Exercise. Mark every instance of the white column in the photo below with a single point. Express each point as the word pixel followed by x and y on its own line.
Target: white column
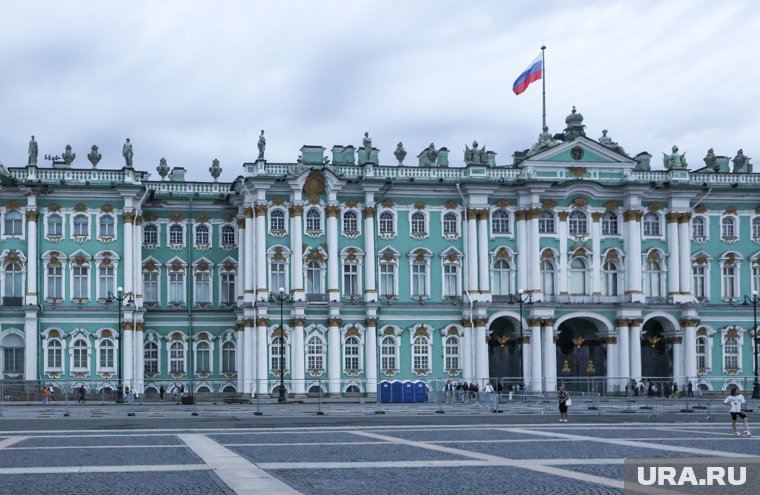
pixel 678 377
pixel 612 363
pixel 249 355
pixel 239 357
pixel 522 250
pixel 139 358
pixel 370 288
pixel 536 382
pixel 684 240
pixel 632 221
pixel 690 350
pixel 333 291
pixel 32 258
pixel 298 375
pixel 262 363
pixel 623 352
pixel 129 217
pixel 550 356
pixel 596 258
pixel 527 355
pixel 472 252
pixel 674 258
pixel 534 255
pixel 635 349
pixel 481 351
pixel 249 294
pixel 370 354
pixel 31 345
pixel 137 270
pixel 296 248
pixel 562 261
pixel 243 265
pixel 467 373
pixel 260 253
pixel 127 333
pixel 483 277
pixel 333 356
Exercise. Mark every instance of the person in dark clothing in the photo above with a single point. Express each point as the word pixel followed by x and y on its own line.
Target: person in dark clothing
pixel 690 390
pixel 82 393
pixel 161 392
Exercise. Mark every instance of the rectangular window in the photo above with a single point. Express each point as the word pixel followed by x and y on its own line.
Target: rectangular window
pixel 13 360
pixel 106 355
pixel 350 279
pixel 176 287
pixel 452 353
pixel 150 287
pixel 177 359
pixel 106 281
pixel 55 354
pixel 277 275
pixel 81 226
pixel 450 280
pixel 228 288
pixel 729 282
pixel 203 287
pixel 698 272
pixel 387 279
pixel 81 282
pixel 419 280
pixel 151 358
pixel 203 360
pixel 351 357
pixel 228 358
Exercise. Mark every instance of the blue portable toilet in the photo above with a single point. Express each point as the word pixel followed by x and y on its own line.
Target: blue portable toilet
pixel 408 391
pixel 384 391
pixel 420 391
pixel 397 391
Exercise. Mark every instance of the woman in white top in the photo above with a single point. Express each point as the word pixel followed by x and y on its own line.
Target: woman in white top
pixel 736 400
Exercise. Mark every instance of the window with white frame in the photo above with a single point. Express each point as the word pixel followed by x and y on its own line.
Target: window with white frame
pixel 421 353
pixel 548 276
pixel 13 358
pixel 227 235
pixel 81 282
pixel 279 346
pixel 177 357
pixel 756 275
pixel 500 222
pixel 150 358
pixel 702 353
pixel 546 222
pixel 419 278
pixel 107 226
pixel 277 274
pixel 14 280
pixel 610 273
pixel 81 225
pixel 315 354
pixel 388 353
pixel 451 274
pixel 731 353
pixel 228 293
pixel 653 279
pixel 651 224
pixel 79 355
pixel 150 234
pixel 577 223
pixel 276 221
pixel 203 287
pixel 176 287
pixel 728 228
pixel 450 224
pixel 314 283
pixel 313 220
pixel 503 278
pixel 451 353
pixel 202 235
pixel 55 281
pixel 387 278
pixel 350 222
pixel 351 353
pixel 55 225
pixel 176 234
pixel 54 354
pixel 351 279
pixel 698 227
pixel 228 357
pixel 13 223
pixel 756 228
pixel 150 287
pixel 203 357
pixel 730 281
pixel 417 224
pixel 386 223
pixel 106 353
pixel 610 224
pixel 578 276
pixel 106 280
pixel 699 280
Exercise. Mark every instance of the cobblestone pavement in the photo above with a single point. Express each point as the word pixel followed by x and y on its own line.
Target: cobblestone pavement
pixel 429 459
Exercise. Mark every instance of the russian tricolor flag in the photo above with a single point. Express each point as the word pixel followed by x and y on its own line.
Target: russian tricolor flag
pixel 533 73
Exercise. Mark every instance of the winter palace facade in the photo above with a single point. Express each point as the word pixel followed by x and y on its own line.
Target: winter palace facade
pixel 394 271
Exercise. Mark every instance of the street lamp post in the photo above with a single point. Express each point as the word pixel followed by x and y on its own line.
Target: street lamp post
pixel 281 297
pixel 755 340
pixel 120 297
pixel 521 298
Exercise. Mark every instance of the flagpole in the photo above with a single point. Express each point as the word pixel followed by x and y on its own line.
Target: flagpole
pixel 543 84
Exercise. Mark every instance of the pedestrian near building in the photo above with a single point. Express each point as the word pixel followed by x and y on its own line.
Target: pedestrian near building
pixel 690 389
pixel 82 393
pixel 491 398
pixel 448 390
pixel 564 401
pixel 45 396
pixel 161 392
pixel 735 402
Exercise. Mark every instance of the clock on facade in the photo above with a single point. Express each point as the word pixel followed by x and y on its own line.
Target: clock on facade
pixel 576 153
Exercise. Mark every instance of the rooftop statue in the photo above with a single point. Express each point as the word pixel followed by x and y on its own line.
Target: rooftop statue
pixel 674 161
pixel 711 162
pixel 32 152
pixel 431 154
pixel 741 163
pixel 545 140
pixel 400 153
pixel 575 127
pixel 475 156
pixel 367 145
pixel 262 145
pixel 215 170
pixel 163 168
pixel 94 156
pixel 68 156
pixel 126 152
pixel 609 143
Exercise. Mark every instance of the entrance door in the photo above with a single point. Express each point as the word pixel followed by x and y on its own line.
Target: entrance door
pixel 504 353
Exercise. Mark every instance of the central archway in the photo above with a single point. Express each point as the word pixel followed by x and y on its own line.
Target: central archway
pixel 581 354
pixel 505 352
pixel 656 350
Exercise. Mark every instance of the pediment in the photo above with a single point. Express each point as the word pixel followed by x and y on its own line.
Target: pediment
pixel 581 152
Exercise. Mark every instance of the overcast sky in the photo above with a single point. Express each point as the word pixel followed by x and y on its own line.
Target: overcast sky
pixel 192 81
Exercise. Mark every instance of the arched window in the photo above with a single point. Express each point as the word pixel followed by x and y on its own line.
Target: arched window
pixel 55 354
pixel 202 357
pixel 313 220
pixel 107 354
pixel 653 278
pixel 176 234
pixel 450 224
pixel 350 222
pixel 177 358
pixel 277 220
pixel 388 358
pixel 731 353
pixel 728 228
pixel 418 223
pixel 451 350
pixel 55 225
pixel 698 227
pixel 314 278
pixel 81 226
pixel 546 222
pixel 756 228
pixel 315 354
pixel 13 223
pixel 702 353
pixel 578 277
pixel 228 357
pixel 548 275
pixel 201 235
pixel 228 236
pixel 610 279
pixel 610 224
pixel 577 223
pixel 503 278
pixel 14 280
pixel 385 224
pixel 150 358
pixel 279 345
pixel 107 226
pixel 150 234
pixel 79 354
pixel 421 354
pixel 500 221
pixel 651 224
pixel 351 353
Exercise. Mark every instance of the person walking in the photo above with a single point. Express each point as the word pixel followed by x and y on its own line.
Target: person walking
pixel 448 390
pixel 736 401
pixel 161 392
pixel 564 401
pixel 82 392
pixel 45 396
pixel 690 390
pixel 488 389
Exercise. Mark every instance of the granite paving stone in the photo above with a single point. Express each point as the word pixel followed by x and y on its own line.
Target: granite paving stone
pixel 97 457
